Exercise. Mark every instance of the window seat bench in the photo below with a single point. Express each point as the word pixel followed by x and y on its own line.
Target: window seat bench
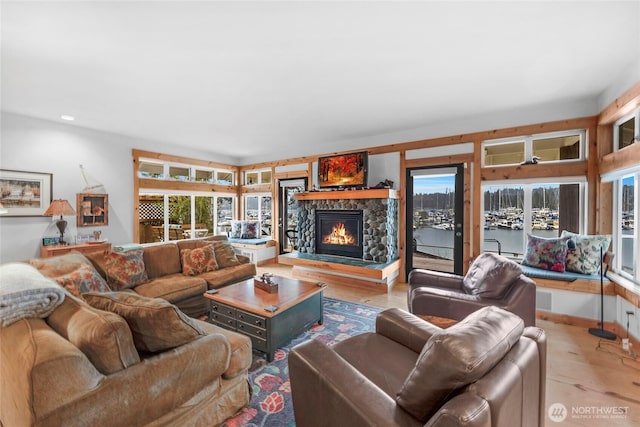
pixel 259 251
pixel 570 281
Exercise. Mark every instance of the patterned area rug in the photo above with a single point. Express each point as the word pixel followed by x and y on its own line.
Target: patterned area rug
pixel 271 403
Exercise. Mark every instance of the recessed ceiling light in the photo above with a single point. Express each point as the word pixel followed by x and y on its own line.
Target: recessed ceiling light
pixel 67 117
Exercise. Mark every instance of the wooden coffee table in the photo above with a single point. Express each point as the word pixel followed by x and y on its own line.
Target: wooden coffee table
pixel 271 320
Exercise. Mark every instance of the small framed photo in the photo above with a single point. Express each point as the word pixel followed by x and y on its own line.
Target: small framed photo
pixel 48 241
pixel 25 193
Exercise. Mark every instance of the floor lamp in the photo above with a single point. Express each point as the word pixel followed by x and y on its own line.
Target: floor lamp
pixel 600 332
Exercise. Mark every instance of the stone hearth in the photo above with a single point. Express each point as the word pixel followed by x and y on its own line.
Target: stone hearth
pixel 380 220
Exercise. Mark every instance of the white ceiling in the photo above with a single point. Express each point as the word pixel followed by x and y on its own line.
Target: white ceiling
pixel 272 80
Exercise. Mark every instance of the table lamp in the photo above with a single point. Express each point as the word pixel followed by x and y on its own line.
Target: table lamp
pixel 60 207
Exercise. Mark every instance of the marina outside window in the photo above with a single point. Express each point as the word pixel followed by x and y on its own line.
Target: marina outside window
pixel 541 209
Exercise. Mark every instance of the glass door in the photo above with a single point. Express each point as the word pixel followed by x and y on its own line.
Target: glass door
pixel 435 218
pixel 288 218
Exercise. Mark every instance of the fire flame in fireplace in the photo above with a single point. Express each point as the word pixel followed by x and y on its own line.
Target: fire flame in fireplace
pixel 339 236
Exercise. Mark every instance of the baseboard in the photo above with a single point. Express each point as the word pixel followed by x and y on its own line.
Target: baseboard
pixel 583 322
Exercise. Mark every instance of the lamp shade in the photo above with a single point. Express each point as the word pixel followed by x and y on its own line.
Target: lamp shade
pixel 59 207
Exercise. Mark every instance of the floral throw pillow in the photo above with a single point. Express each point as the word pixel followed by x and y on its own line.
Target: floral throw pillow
pixel 547 254
pixel 236 229
pixel 125 269
pixel 72 271
pixel 250 230
pixel 583 255
pixel 198 261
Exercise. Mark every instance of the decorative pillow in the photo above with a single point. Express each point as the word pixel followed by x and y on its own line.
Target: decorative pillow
pixel 199 260
pixel 457 356
pixel 236 229
pixel 250 230
pixel 547 254
pixel 225 255
pixel 583 255
pixel 73 271
pixel 490 275
pixel 105 338
pixel 156 324
pixel 125 269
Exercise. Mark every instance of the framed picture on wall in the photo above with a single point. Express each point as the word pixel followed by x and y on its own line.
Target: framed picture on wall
pixel 24 193
pixel 92 209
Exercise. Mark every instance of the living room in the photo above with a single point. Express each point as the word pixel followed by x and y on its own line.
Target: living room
pixel 109 152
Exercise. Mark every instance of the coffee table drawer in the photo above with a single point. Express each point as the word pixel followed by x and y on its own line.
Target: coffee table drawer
pixel 251 330
pixel 251 319
pixel 228 322
pixel 258 343
pixel 223 309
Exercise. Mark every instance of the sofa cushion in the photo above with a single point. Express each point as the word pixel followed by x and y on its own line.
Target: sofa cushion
pixel 490 276
pixel 229 275
pixel 197 261
pixel 457 356
pixel 173 287
pixel 583 254
pixel 156 324
pixel 125 269
pixel 104 337
pixel 73 271
pixel 225 255
pixel 162 260
pixel 241 350
pixel 548 254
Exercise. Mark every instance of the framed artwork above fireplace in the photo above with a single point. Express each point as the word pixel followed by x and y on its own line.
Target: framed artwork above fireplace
pixel 343 170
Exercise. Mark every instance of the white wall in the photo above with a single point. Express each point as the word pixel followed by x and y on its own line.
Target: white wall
pixel 34 145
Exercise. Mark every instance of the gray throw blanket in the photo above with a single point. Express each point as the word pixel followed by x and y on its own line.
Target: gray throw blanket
pixel 25 292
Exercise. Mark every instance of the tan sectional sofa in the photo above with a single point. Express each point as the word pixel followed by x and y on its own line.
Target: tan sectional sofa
pixel 83 366
pixel 164 269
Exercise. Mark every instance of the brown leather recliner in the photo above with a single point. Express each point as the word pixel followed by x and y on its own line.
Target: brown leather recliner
pixel 488 370
pixel 491 280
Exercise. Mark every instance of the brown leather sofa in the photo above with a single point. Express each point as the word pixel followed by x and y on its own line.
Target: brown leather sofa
pixel 491 280
pixel 83 366
pixel 488 370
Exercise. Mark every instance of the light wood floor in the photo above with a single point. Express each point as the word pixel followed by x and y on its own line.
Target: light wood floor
pixel 584 373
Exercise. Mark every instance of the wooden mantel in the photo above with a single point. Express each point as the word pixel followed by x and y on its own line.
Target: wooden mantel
pixel 375 193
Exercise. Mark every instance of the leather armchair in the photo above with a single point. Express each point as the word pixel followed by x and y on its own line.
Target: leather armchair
pixel 488 370
pixel 491 280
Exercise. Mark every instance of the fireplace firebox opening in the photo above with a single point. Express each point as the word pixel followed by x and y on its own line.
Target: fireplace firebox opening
pixel 339 233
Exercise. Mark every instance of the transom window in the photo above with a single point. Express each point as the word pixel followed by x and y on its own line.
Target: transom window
pixel 627 131
pixel 550 147
pixel 179 172
pixel 257 177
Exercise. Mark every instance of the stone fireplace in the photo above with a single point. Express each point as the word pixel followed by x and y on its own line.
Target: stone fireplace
pixel 378 227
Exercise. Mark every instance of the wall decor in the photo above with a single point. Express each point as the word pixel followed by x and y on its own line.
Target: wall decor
pixel 25 193
pixel 343 170
pixel 92 209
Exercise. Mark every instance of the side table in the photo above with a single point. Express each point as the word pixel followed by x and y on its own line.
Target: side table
pixel 55 250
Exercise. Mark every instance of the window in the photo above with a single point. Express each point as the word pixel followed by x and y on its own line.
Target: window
pixel 257 177
pixel 550 147
pixel 627 131
pixel 626 239
pixel 543 209
pixel 165 217
pixel 258 207
pixel 180 172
